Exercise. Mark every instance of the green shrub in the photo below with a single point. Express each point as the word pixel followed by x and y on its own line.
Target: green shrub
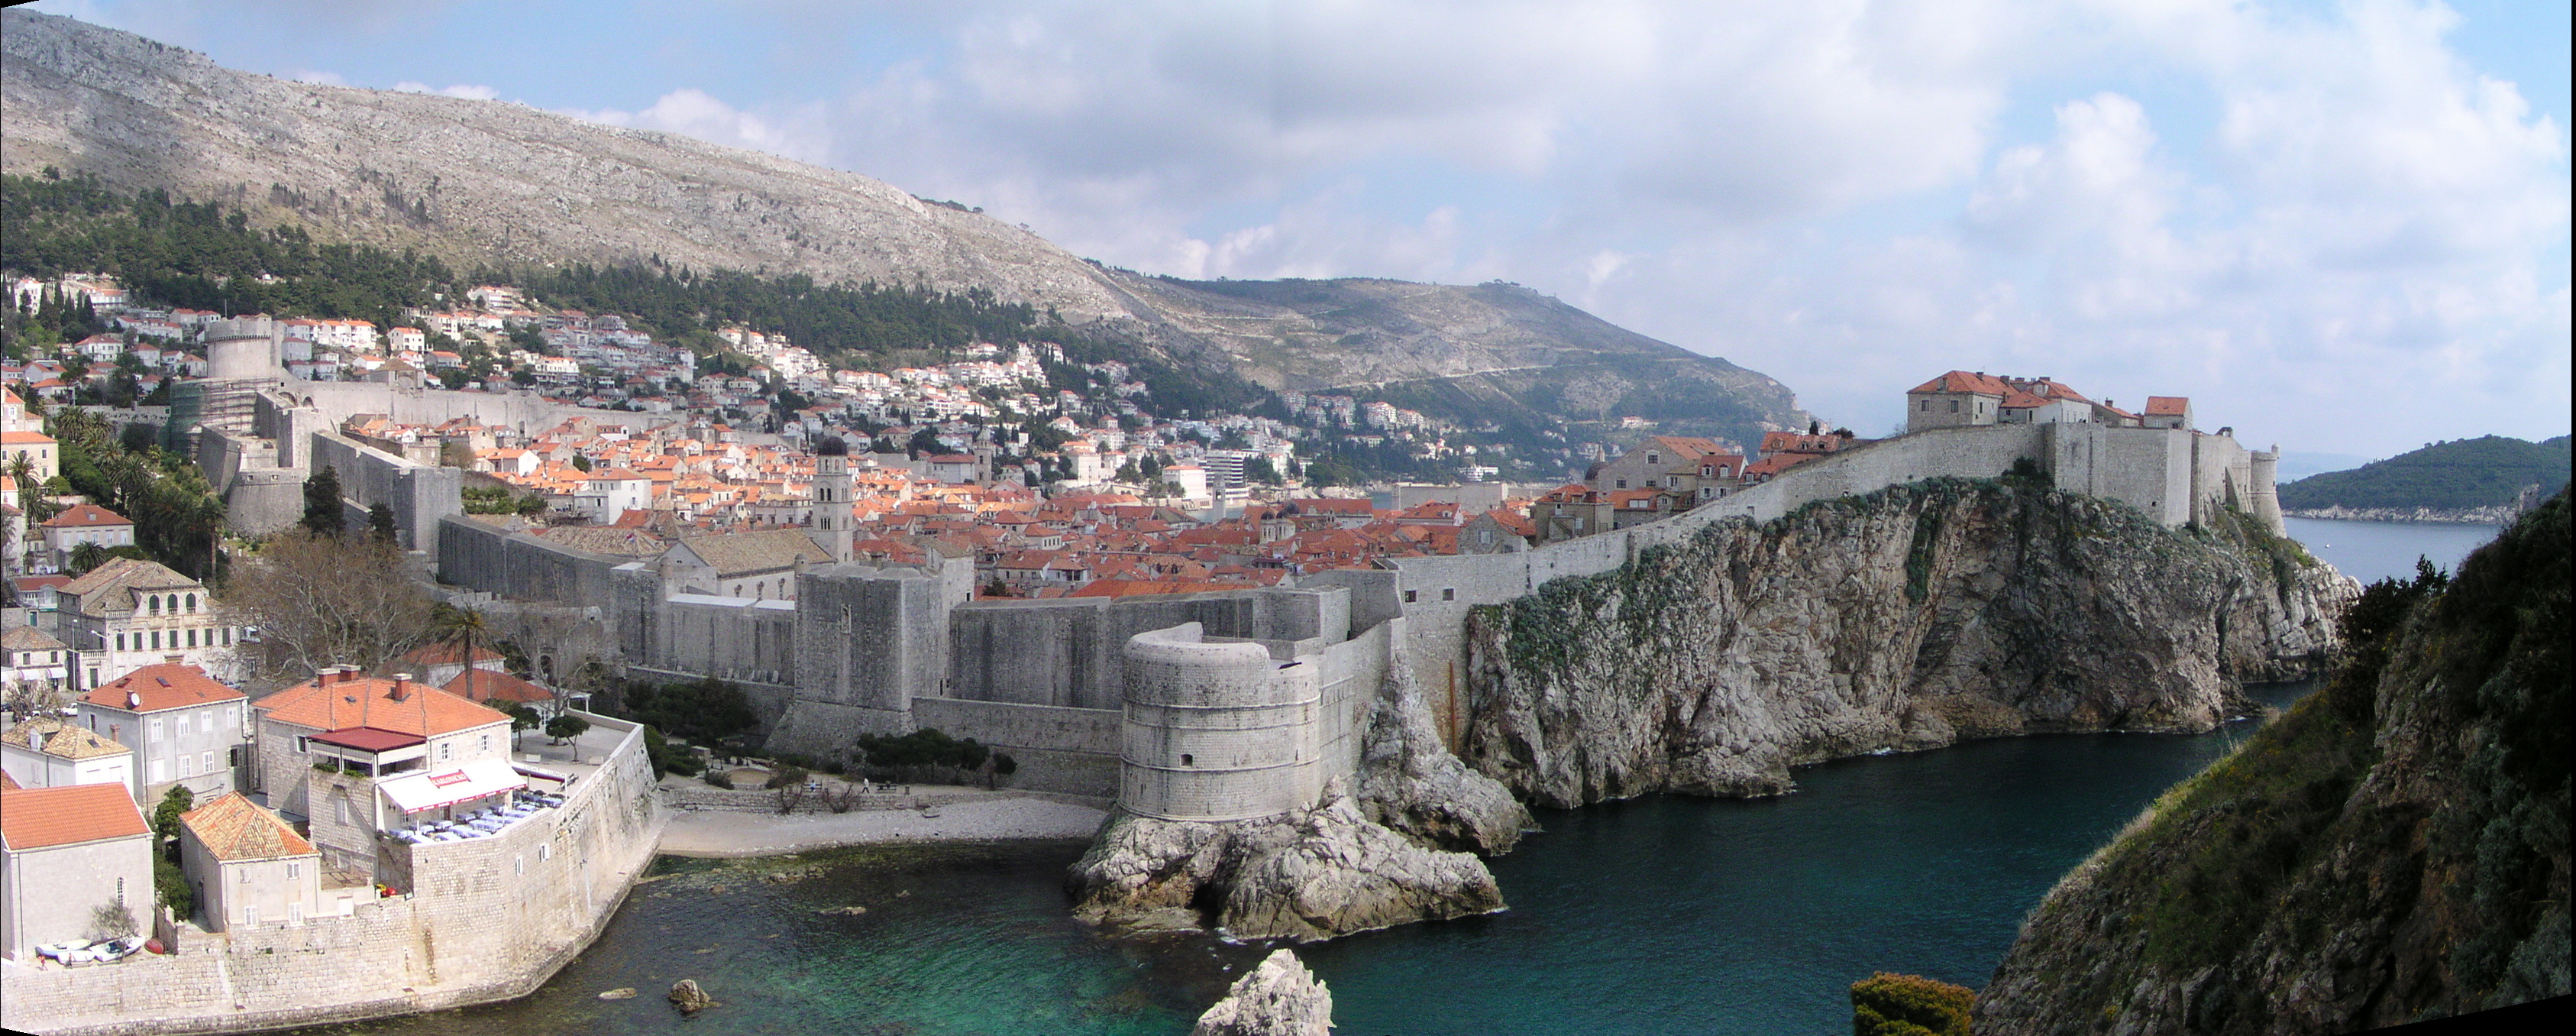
pixel 788 776
pixel 1909 1005
pixel 921 754
pixel 170 886
pixel 720 778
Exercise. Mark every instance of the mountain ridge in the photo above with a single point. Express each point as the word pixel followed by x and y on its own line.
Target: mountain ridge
pixel 497 183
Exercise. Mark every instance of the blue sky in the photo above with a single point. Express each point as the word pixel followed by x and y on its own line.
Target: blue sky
pixel 2341 227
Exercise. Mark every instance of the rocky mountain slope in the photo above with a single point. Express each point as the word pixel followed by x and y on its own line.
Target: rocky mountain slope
pixel 1905 619
pixel 480 182
pixel 2393 849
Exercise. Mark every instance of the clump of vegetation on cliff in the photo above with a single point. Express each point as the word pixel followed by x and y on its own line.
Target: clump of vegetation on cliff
pixel 1909 1005
pixel 2399 839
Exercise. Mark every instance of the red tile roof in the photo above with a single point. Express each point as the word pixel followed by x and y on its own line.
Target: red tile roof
pixel 235 828
pixel 356 701
pixel 34 818
pixel 2167 406
pixel 163 686
pixel 86 516
pixel 1965 381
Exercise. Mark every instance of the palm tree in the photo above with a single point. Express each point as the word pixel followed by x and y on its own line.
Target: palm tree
pixel 462 629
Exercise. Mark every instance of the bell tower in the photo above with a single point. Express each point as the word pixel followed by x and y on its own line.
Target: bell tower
pixel 832 517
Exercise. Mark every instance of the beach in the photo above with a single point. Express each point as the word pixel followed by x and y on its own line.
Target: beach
pixel 731 833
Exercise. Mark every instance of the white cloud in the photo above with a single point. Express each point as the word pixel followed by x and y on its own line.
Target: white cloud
pixel 692 112
pixel 2322 223
pixel 466 91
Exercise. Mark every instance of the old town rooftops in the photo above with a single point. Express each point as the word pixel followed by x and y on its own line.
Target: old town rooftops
pixel 60 739
pixel 38 818
pixel 340 699
pixel 234 828
pixel 167 685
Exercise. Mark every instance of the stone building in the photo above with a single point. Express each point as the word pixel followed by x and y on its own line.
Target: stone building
pixel 185 728
pixel 248 867
pixel 49 752
pixel 760 565
pixel 64 853
pixel 130 612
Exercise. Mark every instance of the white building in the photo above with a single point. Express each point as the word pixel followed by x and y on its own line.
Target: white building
pixel 50 752
pixel 64 853
pixel 184 727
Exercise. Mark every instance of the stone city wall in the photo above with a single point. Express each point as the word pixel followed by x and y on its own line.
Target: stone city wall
pixel 1066 651
pixel 519 566
pixel 1068 750
pixel 490 919
pixel 419 494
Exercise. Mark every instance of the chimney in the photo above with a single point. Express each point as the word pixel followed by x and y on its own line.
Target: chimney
pixel 402 686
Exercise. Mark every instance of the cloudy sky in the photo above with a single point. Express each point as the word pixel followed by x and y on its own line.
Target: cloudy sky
pixel 2338 227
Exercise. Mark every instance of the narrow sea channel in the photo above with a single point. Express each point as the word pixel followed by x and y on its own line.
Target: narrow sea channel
pixel 1659 916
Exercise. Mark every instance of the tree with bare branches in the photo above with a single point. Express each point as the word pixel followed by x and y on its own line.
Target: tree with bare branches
pixel 327 600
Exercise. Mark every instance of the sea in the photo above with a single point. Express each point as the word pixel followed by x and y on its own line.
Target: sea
pixel 1659 915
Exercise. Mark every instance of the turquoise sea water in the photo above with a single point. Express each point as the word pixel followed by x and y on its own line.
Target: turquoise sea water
pixel 2371 551
pixel 1659 915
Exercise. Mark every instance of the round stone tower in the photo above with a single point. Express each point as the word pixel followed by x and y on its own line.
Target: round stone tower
pixel 832 518
pixel 2266 495
pixel 1216 731
pixel 241 348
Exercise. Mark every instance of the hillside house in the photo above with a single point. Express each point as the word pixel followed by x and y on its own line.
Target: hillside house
pixel 83 523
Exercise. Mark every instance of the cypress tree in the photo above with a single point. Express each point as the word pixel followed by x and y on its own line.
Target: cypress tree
pixel 322 502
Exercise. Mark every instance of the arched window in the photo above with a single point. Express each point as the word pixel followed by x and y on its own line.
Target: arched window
pixel 152 604
pixel 192 602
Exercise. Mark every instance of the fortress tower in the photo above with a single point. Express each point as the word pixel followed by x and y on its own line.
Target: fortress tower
pixel 832 519
pixel 241 359
pixel 1217 731
pixel 2267 495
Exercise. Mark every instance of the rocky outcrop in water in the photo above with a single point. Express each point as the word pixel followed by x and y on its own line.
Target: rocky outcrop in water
pixel 2394 848
pixel 1395 852
pixel 1308 875
pixel 1410 783
pixel 1277 998
pixel 1906 619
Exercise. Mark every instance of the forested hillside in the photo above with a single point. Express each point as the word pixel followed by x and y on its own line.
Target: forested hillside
pixel 2462 473
pixel 2393 849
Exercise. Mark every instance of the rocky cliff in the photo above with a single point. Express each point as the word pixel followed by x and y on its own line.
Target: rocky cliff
pixel 483 182
pixel 2394 848
pixel 1279 997
pixel 1906 619
pixel 1389 855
